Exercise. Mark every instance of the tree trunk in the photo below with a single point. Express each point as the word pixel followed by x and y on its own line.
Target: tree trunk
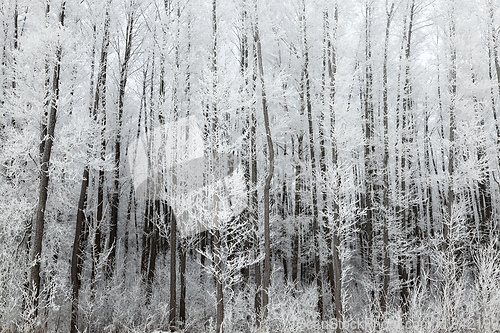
pixel 244 65
pixel 78 246
pixel 173 277
pixel 298 212
pixel 369 162
pixel 113 228
pixel 219 282
pixel 182 268
pixel 79 241
pixel 306 86
pixel 148 258
pixel 452 129
pixel 406 106
pixel 385 203
pixel 254 200
pixel 329 84
pixel 270 151
pixel 36 250
pixel 100 109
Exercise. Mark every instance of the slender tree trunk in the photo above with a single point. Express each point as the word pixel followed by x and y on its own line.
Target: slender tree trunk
pixel 369 162
pixel 78 246
pixel 322 159
pixel 100 114
pixel 36 250
pixel 214 122
pixel 329 83
pixel 270 150
pixel 406 108
pixel 452 129
pixel 46 103
pixel 385 203
pixel 494 41
pixel 155 206
pixel 306 86
pixel 219 282
pixel 493 64
pixel 113 228
pixel 182 268
pixel 80 240
pixel 298 211
pixel 244 66
pixel 254 200
pixel 173 276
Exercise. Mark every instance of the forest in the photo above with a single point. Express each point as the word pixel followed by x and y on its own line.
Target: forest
pixel 250 166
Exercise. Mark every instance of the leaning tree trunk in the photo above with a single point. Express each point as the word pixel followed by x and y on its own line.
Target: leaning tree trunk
pixel 36 249
pixel 80 239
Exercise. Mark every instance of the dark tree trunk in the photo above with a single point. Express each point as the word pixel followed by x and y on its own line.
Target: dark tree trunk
pixel 254 200
pixel 113 228
pixel 36 250
pixel 270 151
pixel 100 109
pixel 78 246
pixel 297 212
pixel 452 129
pixel 80 240
pixel 173 263
pixel 369 162
pixel 306 86
pixel 182 268
pixel 385 203
pixel 218 282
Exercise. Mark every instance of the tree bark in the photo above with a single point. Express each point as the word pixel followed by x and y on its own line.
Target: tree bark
pixel 385 203
pixel 254 200
pixel 36 250
pixel 329 91
pixel 369 184
pixel 182 268
pixel 78 246
pixel 406 106
pixel 173 276
pixel 297 211
pixel 306 86
pixel 452 129
pixel 80 240
pixel 113 228
pixel 100 110
pixel 270 172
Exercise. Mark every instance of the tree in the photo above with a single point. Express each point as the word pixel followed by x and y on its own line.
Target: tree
pixel 124 70
pixel 328 74
pixel 366 200
pixel 270 172
pixel 38 228
pixel 385 203
pixel 404 108
pixel 306 90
